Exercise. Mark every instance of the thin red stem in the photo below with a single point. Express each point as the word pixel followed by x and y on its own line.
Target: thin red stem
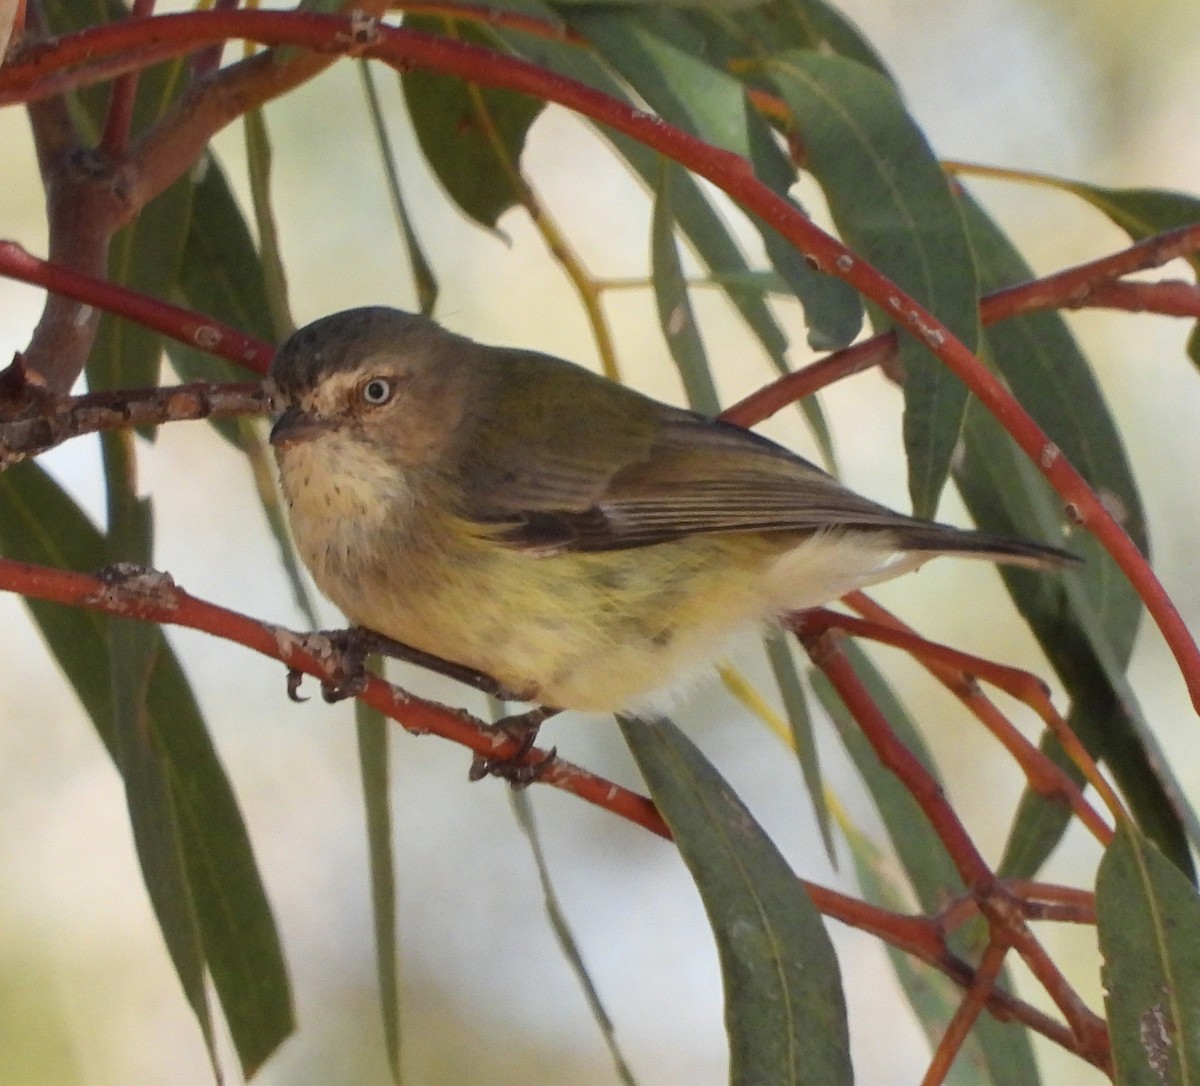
pixel 171 320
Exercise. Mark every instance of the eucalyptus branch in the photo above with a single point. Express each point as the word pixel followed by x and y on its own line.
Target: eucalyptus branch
pixel 192 329
pixel 45 423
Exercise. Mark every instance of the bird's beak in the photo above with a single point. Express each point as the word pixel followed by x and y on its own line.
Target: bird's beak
pixel 295 426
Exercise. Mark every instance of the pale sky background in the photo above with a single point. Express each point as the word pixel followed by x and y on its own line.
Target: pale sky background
pixel 1102 92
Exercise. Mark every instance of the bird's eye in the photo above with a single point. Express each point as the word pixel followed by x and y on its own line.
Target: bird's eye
pixel 377 391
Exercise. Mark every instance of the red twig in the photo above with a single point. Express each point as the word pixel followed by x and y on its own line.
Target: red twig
pixel 117 123
pixel 154 597
pixel 1013 681
pixel 171 320
pixel 820 642
pixel 1078 286
pixel 967 1013
pixel 960 678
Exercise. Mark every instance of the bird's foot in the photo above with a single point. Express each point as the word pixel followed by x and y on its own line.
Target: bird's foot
pixel 515 768
pixel 346 652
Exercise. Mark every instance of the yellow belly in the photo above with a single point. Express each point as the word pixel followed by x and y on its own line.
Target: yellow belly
pixel 589 631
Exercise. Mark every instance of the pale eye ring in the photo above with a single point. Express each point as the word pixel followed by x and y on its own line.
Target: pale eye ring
pixel 377 391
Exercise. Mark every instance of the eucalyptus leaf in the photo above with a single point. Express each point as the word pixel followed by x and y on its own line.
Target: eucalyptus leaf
pixel 1085 620
pixel 372 730
pixel 1148 914
pixel 425 284
pixel 675 313
pixel 667 61
pixel 893 206
pixel 784 1010
pixel 40 523
pixel 804 741
pixel 471 136
pixel 567 942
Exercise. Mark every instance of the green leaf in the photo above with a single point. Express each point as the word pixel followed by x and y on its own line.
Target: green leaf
pixel 152 813
pixel 675 314
pixel 222 274
pixel 146 257
pixel 40 523
pixel 425 282
pixel 241 941
pixel 523 810
pixel 894 207
pixel 833 311
pixel 1148 915
pixel 673 76
pixel 258 162
pixel 1078 643
pixel 373 729
pixel 472 136
pixel 733 38
pixel 784 1010
pixel 133 649
pixel 783 667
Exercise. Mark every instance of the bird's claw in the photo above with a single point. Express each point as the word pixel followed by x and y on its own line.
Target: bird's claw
pixel 514 768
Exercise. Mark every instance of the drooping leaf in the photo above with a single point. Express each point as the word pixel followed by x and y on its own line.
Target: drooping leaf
pixel 523 810
pixel 804 741
pixel 471 136
pixel 675 314
pixel 222 275
pixel 1148 914
pixel 132 651
pixel 145 256
pixel 893 206
pixel 40 523
pixel 736 39
pixel 425 284
pixel 694 213
pixel 784 1010
pixel 258 164
pixel 372 731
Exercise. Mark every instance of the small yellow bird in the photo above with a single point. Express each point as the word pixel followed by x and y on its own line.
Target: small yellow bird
pixel 583 544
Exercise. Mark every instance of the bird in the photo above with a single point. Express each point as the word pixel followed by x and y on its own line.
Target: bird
pixel 584 545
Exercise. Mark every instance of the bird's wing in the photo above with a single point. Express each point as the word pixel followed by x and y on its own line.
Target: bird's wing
pixel 631 478
pixel 588 469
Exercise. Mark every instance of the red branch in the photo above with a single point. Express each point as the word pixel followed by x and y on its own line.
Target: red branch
pixel 171 320
pixel 154 597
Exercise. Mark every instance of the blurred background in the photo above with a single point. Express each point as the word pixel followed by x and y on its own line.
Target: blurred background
pixel 1103 93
